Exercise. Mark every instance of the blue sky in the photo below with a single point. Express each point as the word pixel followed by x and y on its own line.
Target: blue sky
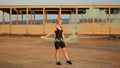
pixel 55 2
pixel 59 2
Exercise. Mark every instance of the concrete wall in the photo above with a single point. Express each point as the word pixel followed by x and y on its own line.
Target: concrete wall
pixel 101 28
pixel 48 27
pixel 4 29
pixel 66 28
pixel 18 29
pixel 35 29
pixel 27 29
pixel 82 28
pixel 85 28
pixel 115 28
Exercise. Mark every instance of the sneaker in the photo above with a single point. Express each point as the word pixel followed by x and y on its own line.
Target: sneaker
pixel 69 62
pixel 58 63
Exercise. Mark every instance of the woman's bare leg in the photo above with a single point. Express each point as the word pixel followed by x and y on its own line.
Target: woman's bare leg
pixel 57 55
pixel 65 53
pixel 66 56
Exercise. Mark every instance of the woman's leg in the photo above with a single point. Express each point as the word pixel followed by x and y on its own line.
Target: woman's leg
pixel 66 56
pixel 65 53
pixel 57 55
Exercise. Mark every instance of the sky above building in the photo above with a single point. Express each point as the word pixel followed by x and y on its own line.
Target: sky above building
pixel 59 2
pixel 55 2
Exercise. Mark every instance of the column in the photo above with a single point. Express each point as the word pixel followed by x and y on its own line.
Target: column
pixel 10 20
pixel 45 15
pixel 34 18
pixel 77 19
pixel 26 15
pixel 109 11
pixel 26 20
pixel 59 13
pixel 44 18
pixel 71 16
pixel 22 18
pixel 31 17
pixel 3 18
pixel 17 17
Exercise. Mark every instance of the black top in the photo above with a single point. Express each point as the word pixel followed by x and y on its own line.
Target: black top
pixel 58 33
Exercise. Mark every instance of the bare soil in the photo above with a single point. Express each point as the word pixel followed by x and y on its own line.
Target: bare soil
pixel 35 52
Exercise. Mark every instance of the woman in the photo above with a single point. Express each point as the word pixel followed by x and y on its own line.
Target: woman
pixel 59 42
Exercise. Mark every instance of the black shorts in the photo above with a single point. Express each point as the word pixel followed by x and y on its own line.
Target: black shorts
pixel 59 44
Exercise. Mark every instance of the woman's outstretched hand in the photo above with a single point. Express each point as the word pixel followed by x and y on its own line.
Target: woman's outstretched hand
pixel 43 37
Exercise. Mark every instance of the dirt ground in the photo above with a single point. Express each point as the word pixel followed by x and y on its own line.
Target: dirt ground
pixel 34 52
